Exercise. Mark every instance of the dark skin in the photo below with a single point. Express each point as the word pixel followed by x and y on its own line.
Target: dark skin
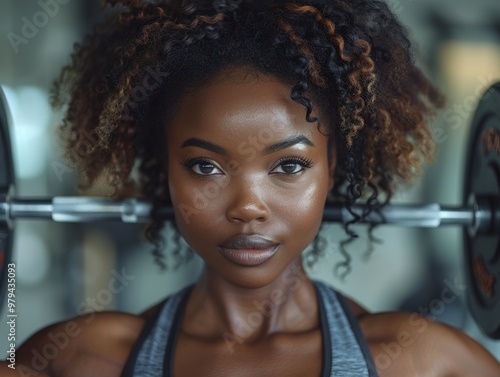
pixel 255 196
pixel 272 193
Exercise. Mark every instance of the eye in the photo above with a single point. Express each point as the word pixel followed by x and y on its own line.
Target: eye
pixel 292 165
pixel 202 166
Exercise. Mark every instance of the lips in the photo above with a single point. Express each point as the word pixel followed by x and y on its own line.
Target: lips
pixel 248 250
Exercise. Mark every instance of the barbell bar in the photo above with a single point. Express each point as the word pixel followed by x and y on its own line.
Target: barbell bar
pixel 479 214
pixel 67 209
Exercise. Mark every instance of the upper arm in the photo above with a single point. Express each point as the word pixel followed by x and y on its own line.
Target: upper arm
pixel 101 339
pixel 40 354
pixel 464 356
pixel 444 351
pixel 408 344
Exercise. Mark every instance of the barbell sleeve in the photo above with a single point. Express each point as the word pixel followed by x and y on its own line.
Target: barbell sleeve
pixel 81 209
pixel 89 209
pixel 408 215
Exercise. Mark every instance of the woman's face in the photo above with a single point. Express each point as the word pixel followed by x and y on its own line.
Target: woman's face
pixel 243 161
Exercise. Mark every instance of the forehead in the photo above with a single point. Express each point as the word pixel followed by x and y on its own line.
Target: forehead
pixel 239 101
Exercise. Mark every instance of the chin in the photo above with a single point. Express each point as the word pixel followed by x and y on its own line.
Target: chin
pixel 254 277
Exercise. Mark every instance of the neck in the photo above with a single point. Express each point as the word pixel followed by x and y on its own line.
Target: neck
pixel 217 308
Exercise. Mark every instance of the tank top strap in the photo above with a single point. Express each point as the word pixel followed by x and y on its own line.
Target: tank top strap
pixel 345 352
pixel 350 356
pixel 147 358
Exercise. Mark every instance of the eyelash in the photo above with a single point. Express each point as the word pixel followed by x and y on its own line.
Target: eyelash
pixel 306 163
pixel 191 162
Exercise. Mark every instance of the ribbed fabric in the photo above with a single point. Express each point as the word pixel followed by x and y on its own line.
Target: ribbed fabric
pixel 349 352
pixel 345 352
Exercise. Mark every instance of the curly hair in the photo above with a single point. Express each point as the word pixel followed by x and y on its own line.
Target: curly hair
pixel 351 58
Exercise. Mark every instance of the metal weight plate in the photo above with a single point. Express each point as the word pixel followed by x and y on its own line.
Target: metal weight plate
pixel 482 190
pixel 7 181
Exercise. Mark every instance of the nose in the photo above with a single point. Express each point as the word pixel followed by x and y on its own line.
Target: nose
pixel 247 204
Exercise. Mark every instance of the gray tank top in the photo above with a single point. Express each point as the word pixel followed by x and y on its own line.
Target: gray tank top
pixel 345 352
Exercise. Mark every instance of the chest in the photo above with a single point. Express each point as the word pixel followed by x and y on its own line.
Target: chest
pixel 282 355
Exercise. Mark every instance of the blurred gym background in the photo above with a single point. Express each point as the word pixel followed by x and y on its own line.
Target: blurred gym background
pixel 63 270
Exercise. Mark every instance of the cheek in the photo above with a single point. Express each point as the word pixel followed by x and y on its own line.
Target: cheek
pixel 298 208
pixel 195 203
pixel 303 208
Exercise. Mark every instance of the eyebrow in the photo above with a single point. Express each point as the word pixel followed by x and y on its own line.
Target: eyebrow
pixel 291 141
pixel 195 142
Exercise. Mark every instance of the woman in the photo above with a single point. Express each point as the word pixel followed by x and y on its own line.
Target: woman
pixel 246 116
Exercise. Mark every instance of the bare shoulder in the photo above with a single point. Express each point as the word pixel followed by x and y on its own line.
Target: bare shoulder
pixel 78 347
pixel 409 344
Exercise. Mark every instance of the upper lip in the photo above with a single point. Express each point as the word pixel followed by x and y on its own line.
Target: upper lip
pixel 248 242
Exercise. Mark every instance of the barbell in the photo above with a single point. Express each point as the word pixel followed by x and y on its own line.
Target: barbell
pixel 479 214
